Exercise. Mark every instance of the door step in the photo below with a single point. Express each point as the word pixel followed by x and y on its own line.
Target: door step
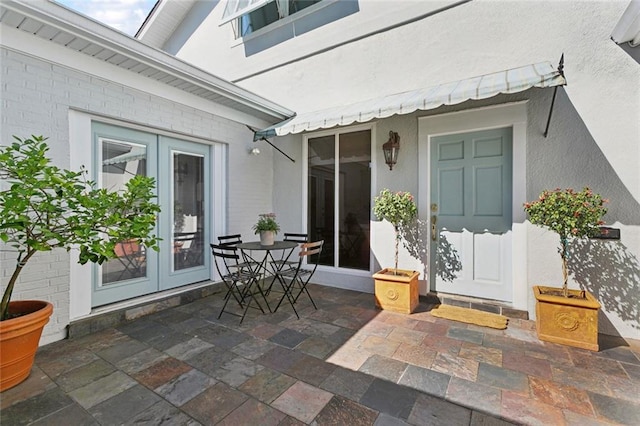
pixel 493 306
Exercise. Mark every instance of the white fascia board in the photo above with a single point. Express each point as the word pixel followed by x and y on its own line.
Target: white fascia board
pixel 628 28
pixel 31 45
pixel 109 38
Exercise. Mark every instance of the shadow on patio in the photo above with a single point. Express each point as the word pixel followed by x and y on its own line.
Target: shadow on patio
pixel 345 364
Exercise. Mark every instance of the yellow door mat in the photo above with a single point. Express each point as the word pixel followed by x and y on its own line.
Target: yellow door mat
pixel 470 316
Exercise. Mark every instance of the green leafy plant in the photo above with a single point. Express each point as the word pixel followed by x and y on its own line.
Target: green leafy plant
pixel 569 214
pixel 46 207
pixel 266 222
pixel 398 208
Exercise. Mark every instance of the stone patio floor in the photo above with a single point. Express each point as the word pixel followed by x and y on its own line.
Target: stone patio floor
pixel 346 363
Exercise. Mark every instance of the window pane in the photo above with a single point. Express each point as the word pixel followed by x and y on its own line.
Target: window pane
pixel 298 5
pixel 188 210
pixel 259 18
pixel 355 195
pixel 121 161
pixel 321 195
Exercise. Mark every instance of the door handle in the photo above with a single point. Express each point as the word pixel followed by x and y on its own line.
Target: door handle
pixel 434 232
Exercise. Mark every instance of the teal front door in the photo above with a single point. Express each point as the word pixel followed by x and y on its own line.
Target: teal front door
pixel 470 214
pixel 182 173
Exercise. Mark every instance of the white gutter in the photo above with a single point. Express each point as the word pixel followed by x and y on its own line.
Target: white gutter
pixel 109 38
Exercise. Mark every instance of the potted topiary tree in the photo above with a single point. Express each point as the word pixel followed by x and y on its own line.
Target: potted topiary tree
pixel 44 207
pixel 396 289
pixel 563 315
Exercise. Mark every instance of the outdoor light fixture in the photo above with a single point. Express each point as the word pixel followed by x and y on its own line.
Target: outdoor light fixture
pixel 254 151
pixel 391 148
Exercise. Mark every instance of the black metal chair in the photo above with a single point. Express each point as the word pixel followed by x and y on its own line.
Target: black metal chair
pixel 280 264
pixel 295 280
pixel 232 241
pixel 241 282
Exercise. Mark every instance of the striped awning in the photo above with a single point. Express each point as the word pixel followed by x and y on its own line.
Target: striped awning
pixel 481 87
pixel 136 153
pixel 236 8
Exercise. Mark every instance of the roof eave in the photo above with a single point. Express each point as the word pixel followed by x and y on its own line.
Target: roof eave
pixel 95 32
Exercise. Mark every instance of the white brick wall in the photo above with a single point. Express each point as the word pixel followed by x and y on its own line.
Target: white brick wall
pixel 36 97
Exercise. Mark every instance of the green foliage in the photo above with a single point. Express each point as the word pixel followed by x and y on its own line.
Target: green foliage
pixel 398 208
pixel 569 214
pixel 46 207
pixel 266 222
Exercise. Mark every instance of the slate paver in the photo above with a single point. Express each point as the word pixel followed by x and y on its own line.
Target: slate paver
pixel 224 398
pixel 267 385
pixel 125 405
pixel 302 401
pixel 429 410
pixel 148 372
pixel 185 387
pixel 253 412
pixel 347 383
pixel 84 375
pixel 29 410
pixel 615 409
pixel 102 389
pixel 390 398
pixel 425 380
pixel 342 411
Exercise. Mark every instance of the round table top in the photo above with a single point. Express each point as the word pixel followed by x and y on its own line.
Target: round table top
pixel 277 245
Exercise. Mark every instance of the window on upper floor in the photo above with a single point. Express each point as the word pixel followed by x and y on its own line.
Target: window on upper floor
pixel 248 16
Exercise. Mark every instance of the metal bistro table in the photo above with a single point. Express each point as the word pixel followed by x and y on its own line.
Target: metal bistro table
pixel 262 267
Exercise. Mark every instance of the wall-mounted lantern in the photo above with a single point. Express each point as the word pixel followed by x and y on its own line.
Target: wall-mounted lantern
pixel 391 148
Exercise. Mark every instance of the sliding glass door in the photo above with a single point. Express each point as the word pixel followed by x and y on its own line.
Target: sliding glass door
pixel 339 194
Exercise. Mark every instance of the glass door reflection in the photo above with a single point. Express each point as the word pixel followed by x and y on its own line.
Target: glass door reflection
pixel 188 210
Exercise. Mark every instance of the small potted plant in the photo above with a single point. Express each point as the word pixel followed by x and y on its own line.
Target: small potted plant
pixel 267 227
pixel 562 315
pixel 396 289
pixel 43 208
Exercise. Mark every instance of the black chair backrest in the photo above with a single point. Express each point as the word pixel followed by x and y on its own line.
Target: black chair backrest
pixel 298 238
pixel 224 255
pixel 230 240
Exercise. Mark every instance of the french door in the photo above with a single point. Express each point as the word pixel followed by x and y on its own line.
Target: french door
pixel 339 194
pixel 182 171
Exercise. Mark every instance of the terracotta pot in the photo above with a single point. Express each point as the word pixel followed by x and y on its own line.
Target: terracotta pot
pixel 571 321
pixel 19 338
pixel 267 238
pixel 396 292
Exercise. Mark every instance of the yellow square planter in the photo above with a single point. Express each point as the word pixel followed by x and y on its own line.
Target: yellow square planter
pixel 396 292
pixel 571 321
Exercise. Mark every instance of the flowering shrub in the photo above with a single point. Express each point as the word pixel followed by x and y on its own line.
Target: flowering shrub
pixel 266 222
pixel 398 208
pixel 569 214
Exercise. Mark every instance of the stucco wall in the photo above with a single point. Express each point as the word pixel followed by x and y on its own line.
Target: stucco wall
pixel 470 39
pixel 595 132
pixel 37 97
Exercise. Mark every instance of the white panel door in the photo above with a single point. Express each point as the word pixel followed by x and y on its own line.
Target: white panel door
pixel 471 214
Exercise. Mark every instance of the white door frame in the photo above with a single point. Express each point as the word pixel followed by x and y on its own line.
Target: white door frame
pixel 505 115
pixel 82 155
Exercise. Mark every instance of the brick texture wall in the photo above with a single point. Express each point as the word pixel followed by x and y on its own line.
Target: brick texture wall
pixel 36 97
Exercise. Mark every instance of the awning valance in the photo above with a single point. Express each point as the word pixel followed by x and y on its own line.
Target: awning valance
pixel 136 153
pixel 236 8
pixel 509 81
